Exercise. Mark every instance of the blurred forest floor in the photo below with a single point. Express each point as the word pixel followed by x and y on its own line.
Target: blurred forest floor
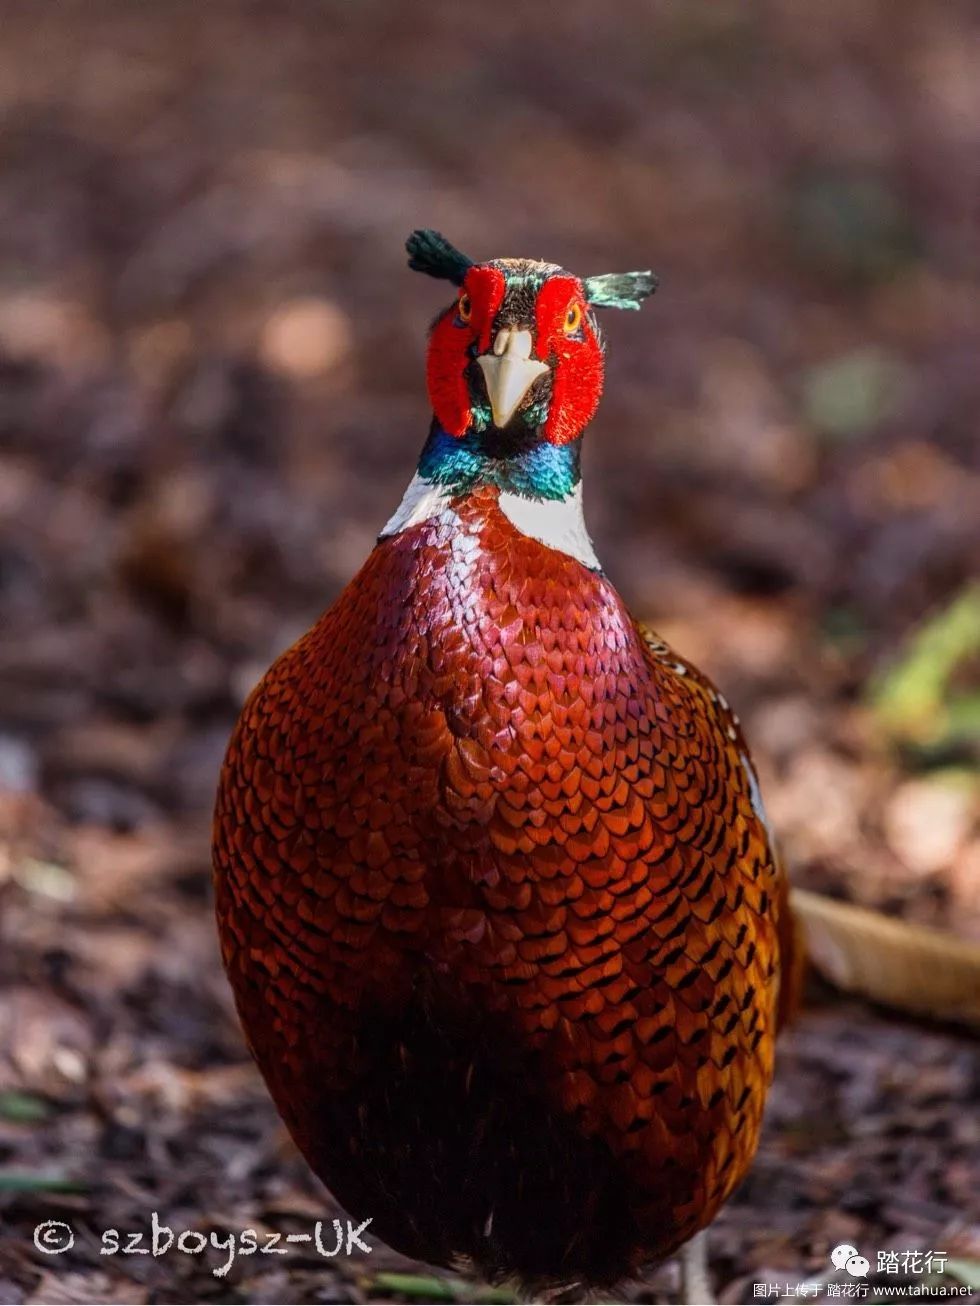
pixel 211 396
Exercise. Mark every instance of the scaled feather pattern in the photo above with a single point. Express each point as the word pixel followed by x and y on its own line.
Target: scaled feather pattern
pixel 500 911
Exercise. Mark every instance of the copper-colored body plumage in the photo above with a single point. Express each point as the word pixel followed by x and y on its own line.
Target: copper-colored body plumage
pixel 500 911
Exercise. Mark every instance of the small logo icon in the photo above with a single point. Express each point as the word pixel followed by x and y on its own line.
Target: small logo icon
pixel 53 1237
pixel 846 1257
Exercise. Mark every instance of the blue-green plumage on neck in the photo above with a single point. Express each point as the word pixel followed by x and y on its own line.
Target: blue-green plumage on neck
pixel 528 466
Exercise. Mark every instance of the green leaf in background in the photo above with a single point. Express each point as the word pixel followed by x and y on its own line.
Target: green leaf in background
pixel 416 1287
pixel 967 1272
pixel 22 1108
pixel 17 1181
pixel 917 700
pixel 430 1288
pixel 850 395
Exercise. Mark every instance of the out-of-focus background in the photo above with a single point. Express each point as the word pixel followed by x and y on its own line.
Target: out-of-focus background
pixel 211 396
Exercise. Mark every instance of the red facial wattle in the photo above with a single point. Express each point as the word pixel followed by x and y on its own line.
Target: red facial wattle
pixel 578 370
pixel 450 348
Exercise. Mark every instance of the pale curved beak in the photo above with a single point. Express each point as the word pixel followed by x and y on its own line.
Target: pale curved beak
pixel 509 372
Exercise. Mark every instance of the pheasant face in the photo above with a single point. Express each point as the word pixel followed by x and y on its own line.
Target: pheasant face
pixel 517 358
pixel 514 373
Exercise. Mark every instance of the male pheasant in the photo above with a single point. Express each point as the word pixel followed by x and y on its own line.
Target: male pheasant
pixel 495 887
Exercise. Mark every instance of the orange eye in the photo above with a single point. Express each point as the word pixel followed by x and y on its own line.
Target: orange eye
pixel 464 307
pixel 573 319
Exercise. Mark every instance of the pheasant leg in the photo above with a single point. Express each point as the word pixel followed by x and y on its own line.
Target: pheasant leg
pixel 695 1282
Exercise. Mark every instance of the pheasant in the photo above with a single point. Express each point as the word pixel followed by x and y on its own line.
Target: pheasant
pixel 495 887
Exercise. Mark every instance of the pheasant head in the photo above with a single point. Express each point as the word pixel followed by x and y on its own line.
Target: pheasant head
pixel 518 353
pixel 514 372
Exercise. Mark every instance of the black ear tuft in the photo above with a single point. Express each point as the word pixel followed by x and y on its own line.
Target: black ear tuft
pixel 430 252
pixel 619 289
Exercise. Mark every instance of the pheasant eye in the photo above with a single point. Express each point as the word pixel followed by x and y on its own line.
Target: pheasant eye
pixel 464 307
pixel 573 319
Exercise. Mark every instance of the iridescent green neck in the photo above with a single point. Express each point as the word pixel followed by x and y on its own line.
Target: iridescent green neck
pixel 523 464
